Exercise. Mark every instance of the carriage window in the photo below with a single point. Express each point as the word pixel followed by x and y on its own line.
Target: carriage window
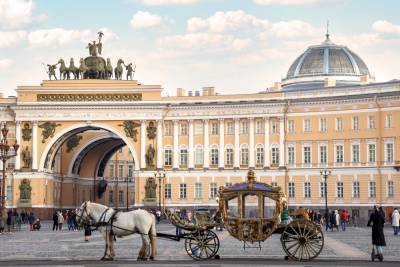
pixel 250 207
pixel 269 208
pixel 232 207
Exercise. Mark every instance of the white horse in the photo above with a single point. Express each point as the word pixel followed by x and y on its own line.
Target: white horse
pixel 112 223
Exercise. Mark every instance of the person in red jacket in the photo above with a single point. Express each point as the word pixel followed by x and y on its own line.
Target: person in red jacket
pixel 344 218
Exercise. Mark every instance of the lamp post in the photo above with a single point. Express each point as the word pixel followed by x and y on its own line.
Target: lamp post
pixel 325 174
pixel 4 156
pixel 127 180
pixel 160 175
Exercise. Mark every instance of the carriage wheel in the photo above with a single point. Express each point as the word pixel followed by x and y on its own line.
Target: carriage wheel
pixel 202 245
pixel 302 240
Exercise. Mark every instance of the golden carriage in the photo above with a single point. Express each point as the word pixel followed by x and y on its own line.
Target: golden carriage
pixel 251 212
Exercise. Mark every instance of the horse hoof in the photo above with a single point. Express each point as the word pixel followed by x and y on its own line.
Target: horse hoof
pixel 152 258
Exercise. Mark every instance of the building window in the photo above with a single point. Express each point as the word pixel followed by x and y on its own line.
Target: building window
pixel 291 155
pixel 339 189
pixel 167 156
pixel 120 150
pixel 199 154
pixel 307 155
pixel 229 127
pixel 291 189
pixel 110 197
pixel 184 129
pixel 275 155
pixel 389 152
pixel 371 153
pixel 274 184
pixel 322 187
pixel 339 153
pixel 307 189
pixel 183 156
pixel 260 155
pixel 182 191
pixel 388 121
pixel 229 155
pixel 112 171
pixel 356 153
pixel 390 189
pixel 259 127
pixel 167 191
pixel 306 126
pixel 355 124
pixel 339 124
pixel 244 127
pixel 371 122
pixel 322 125
pixel 197 191
pixel 214 155
pixel 291 126
pixel 198 128
pixel 167 129
pixel 244 155
pixel 274 127
pixel 372 189
pixel 130 171
pixel 121 171
pixel 213 190
pixel 356 189
pixel 323 154
pixel 214 128
pixel 121 197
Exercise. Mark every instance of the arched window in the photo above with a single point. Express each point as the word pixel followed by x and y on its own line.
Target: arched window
pixel 244 155
pixel 214 155
pixel 199 154
pixel 274 154
pixel 183 156
pixel 167 156
pixel 229 155
pixel 260 154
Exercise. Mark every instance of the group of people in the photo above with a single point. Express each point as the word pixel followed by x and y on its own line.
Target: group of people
pixel 69 216
pixel 13 221
pixel 337 218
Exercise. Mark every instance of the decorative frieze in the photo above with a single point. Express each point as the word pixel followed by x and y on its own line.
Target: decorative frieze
pixel 88 97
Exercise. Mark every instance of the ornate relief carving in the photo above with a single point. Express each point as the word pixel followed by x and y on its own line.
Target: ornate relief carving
pixel 150 156
pixel 26 157
pixel 130 129
pixel 26 132
pixel 151 131
pixel 73 142
pixel 88 97
pixel 49 128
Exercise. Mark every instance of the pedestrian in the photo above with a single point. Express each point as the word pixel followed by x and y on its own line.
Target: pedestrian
pixel 395 221
pixel 9 220
pixel 60 220
pixel 158 216
pixel 31 220
pixel 343 219
pixel 18 221
pixel 3 221
pixel 332 220
pixel 36 225
pixel 88 231
pixel 377 219
pixel 55 221
pixel 327 219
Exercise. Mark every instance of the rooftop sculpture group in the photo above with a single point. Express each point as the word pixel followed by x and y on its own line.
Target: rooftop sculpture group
pixel 91 67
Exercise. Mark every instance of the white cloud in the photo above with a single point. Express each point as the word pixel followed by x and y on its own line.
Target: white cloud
pixel 205 41
pixel 8 39
pixel 143 19
pixel 293 28
pixel 14 13
pixel 108 34
pixel 226 21
pixel 5 63
pixel 286 2
pixel 57 37
pixel 384 26
pixel 168 2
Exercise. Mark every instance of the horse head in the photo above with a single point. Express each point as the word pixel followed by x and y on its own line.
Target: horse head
pixel 61 61
pixel 120 61
pixel 83 213
pixel 71 61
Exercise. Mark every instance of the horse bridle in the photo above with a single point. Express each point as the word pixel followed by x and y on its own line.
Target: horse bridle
pixel 86 221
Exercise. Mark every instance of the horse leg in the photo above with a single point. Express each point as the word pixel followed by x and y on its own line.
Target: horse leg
pixel 112 253
pixel 142 251
pixel 105 236
pixel 153 244
pixel 147 250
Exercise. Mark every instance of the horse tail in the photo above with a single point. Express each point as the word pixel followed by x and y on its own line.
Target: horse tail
pixel 153 237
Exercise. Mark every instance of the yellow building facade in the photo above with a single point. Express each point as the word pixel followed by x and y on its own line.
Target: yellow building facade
pixel 326 114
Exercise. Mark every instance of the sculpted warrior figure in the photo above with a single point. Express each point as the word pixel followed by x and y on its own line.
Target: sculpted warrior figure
pixel 26 157
pixel 151 131
pixel 129 71
pixel 150 188
pixel 52 70
pixel 25 189
pixel 150 156
pixel 26 132
pixel 92 49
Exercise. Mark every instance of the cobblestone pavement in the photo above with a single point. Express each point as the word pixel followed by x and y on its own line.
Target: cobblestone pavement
pixel 353 244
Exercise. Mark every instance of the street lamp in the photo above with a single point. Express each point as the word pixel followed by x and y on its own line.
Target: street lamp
pixel 4 156
pixel 325 174
pixel 127 180
pixel 160 175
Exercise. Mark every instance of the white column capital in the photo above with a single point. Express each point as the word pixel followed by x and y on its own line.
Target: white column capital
pixel 221 119
pixel 206 120
pixel 35 122
pixel 235 119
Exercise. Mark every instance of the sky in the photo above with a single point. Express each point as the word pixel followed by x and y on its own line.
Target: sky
pixel 237 46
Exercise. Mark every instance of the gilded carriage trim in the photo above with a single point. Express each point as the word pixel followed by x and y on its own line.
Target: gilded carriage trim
pixel 88 97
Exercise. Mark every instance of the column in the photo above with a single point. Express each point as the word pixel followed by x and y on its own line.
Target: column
pixel 191 144
pixel 35 145
pixel 251 143
pixel 142 144
pixel 159 145
pixel 221 158
pixel 281 142
pixel 175 155
pixel 266 143
pixel 206 163
pixel 18 139
pixel 236 163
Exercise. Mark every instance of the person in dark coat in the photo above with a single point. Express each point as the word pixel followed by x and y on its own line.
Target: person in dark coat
pixel 55 221
pixel 377 219
pixel 88 231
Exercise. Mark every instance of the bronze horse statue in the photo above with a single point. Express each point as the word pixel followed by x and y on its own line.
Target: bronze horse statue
pixel 63 69
pixel 119 69
pixel 109 69
pixel 72 69
pixel 83 69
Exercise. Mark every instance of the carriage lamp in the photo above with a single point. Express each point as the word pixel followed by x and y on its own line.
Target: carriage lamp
pixel 4 156
pixel 325 174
